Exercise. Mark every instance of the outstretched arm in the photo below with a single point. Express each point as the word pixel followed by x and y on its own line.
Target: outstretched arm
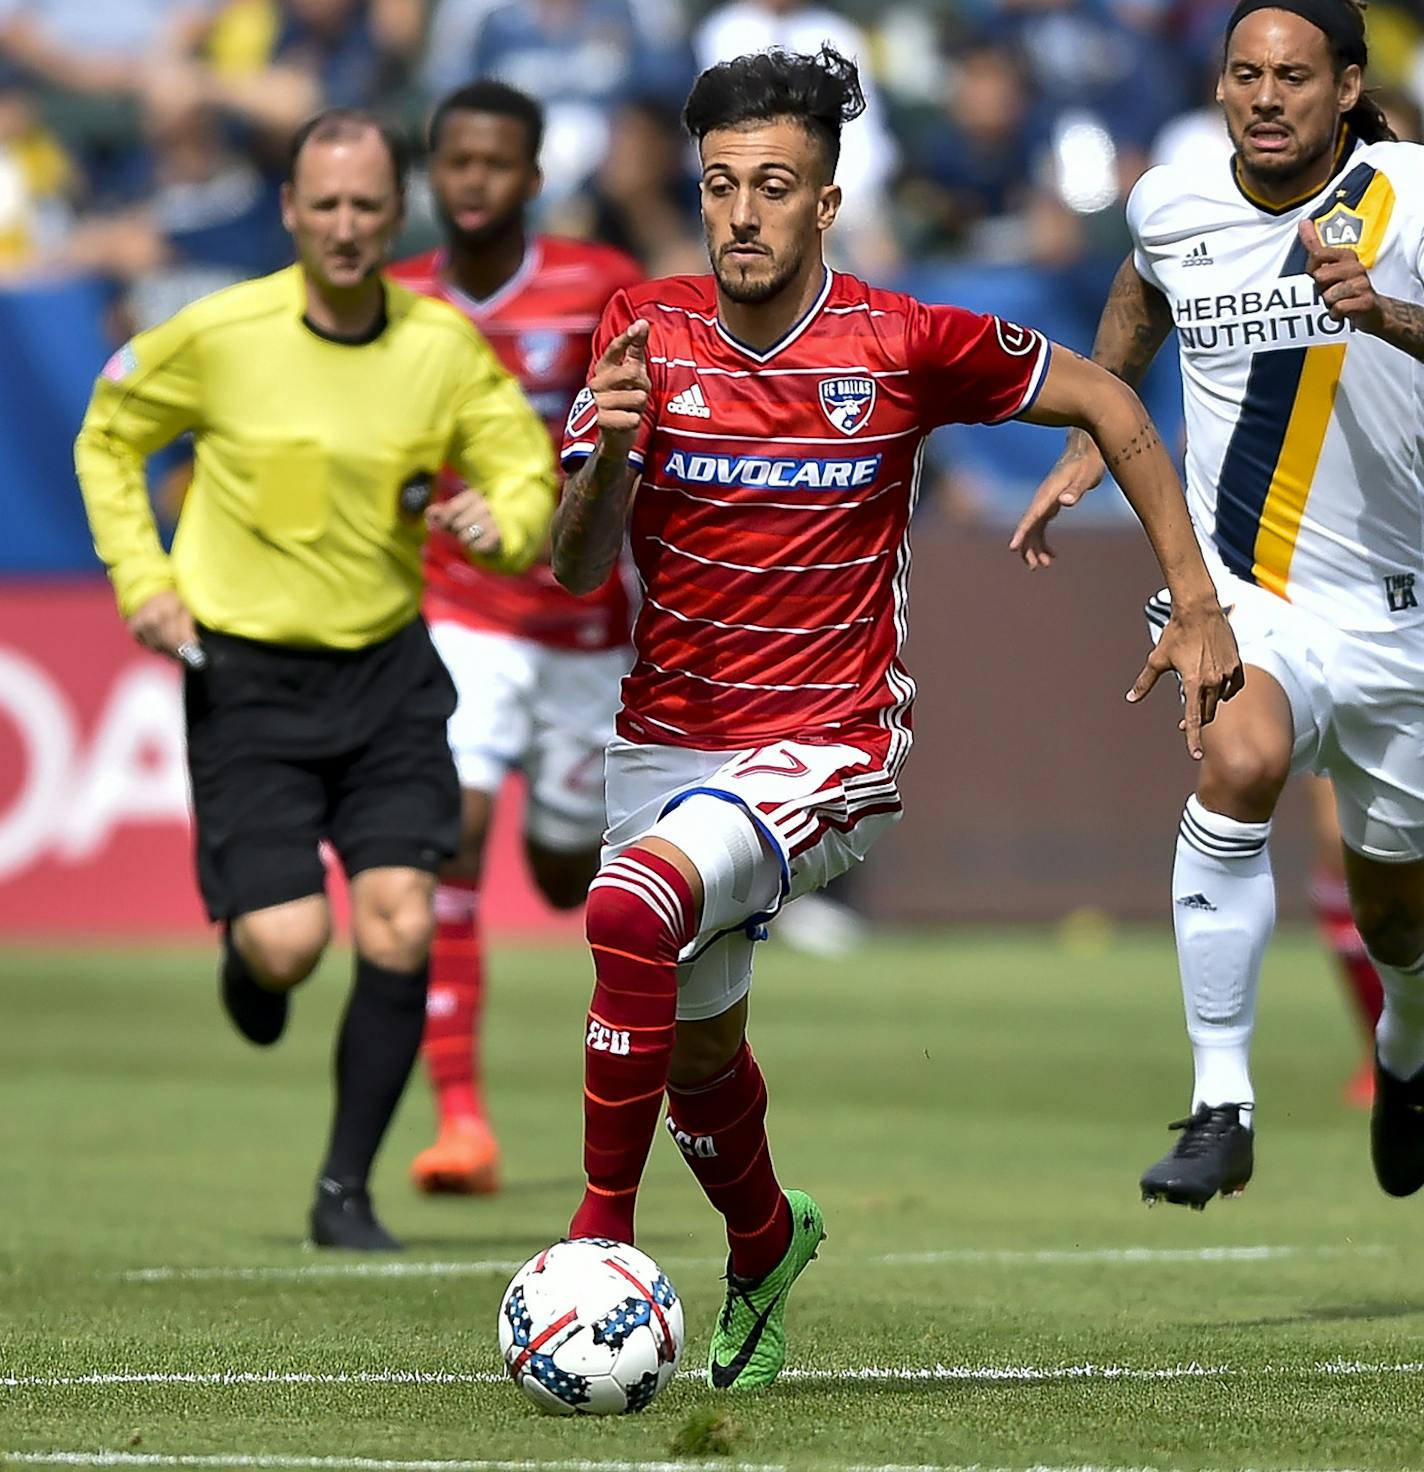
pixel 593 512
pixel 1198 642
pixel 1135 322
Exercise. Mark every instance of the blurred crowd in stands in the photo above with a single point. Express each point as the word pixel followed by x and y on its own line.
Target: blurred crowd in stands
pixel 142 140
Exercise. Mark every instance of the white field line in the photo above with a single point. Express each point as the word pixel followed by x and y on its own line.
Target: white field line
pixel 1072 1256
pixel 874 1374
pixel 1047 1257
pixel 373 1464
pixel 280 1463
pixel 318 1270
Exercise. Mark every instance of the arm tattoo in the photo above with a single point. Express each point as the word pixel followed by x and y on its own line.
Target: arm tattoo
pixel 1135 322
pixel 1403 325
pixel 1144 442
pixel 589 521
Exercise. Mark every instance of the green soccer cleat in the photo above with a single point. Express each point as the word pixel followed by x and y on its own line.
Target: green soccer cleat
pixel 749 1342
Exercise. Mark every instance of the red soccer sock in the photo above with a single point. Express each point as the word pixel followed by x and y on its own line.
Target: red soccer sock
pixel 721 1129
pixel 640 915
pixel 1337 924
pixel 454 1002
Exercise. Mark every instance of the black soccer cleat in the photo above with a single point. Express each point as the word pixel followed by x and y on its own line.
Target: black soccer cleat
pixel 1397 1132
pixel 1214 1157
pixel 258 1014
pixel 342 1217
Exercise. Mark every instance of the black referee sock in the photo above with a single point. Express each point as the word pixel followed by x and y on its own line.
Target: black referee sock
pixel 375 1052
pixel 258 1014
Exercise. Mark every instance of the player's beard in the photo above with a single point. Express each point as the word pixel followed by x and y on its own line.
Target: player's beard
pixel 758 289
pixel 492 232
pixel 1280 171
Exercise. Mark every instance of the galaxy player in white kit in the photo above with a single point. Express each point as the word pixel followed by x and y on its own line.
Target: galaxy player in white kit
pixel 1294 276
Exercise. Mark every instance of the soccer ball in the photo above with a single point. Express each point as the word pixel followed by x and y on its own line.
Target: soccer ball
pixel 591 1327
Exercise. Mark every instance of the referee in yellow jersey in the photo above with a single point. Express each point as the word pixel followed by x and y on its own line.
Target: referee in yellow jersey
pixel 322 401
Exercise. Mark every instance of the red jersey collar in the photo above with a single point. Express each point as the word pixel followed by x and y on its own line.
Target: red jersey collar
pixel 764 355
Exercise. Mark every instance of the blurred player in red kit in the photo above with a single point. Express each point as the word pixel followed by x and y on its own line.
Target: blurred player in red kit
pixel 771 418
pixel 1330 899
pixel 536 667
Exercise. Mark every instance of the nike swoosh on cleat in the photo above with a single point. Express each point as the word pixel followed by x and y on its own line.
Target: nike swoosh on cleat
pixel 725 1376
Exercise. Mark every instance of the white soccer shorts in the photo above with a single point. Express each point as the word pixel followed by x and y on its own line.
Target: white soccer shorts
pixel 817 810
pixel 546 712
pixel 1357 703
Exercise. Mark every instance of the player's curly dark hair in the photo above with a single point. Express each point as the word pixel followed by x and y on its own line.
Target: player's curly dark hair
pixel 497 98
pixel 821 92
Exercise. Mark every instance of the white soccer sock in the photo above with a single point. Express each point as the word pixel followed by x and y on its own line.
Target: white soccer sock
pixel 1223 910
pixel 1399 1038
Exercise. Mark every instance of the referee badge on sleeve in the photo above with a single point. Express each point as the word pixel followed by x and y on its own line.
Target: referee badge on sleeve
pixel 120 364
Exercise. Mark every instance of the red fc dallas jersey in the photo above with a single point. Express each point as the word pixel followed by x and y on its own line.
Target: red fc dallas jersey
pixel 539 324
pixel 771 526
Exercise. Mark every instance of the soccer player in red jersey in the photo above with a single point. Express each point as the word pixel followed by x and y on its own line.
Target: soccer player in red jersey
pixel 759 433
pixel 1330 899
pixel 536 667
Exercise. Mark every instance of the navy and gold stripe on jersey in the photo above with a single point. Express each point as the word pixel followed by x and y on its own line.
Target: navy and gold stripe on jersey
pixel 1270 461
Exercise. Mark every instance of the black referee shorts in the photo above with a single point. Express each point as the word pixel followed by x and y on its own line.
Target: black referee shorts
pixel 287 747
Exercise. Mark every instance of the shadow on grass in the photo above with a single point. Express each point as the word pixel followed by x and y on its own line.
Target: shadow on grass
pixel 1330 1313
pixel 571 1186
pixel 473 1244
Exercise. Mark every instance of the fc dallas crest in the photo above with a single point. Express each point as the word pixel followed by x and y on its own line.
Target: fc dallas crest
pixel 848 402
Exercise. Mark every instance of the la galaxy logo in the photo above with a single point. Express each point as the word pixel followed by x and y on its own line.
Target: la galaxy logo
pixel 540 351
pixel 1342 227
pixel 848 402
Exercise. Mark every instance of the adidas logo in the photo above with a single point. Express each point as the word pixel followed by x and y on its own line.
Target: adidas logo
pixel 690 402
pixel 1197 255
pixel 1195 902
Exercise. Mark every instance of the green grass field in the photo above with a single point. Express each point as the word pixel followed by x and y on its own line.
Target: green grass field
pixel 972 1114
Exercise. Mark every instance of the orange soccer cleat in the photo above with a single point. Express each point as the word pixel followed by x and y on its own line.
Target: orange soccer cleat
pixel 1359 1091
pixel 464 1161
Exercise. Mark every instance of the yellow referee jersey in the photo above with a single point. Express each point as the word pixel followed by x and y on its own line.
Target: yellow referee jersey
pixel 294 531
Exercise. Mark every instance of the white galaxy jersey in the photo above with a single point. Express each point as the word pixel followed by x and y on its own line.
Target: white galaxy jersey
pixel 1304 437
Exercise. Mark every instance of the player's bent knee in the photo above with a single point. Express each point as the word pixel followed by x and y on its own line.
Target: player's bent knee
pixel 393 918
pixel 567 892
pixel 399 939
pixel 632 908
pixel 1393 932
pixel 280 966
pixel 1244 778
pixel 563 877
pixel 282 950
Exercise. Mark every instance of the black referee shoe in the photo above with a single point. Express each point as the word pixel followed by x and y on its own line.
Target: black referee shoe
pixel 1397 1131
pixel 342 1216
pixel 1213 1157
pixel 258 1014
